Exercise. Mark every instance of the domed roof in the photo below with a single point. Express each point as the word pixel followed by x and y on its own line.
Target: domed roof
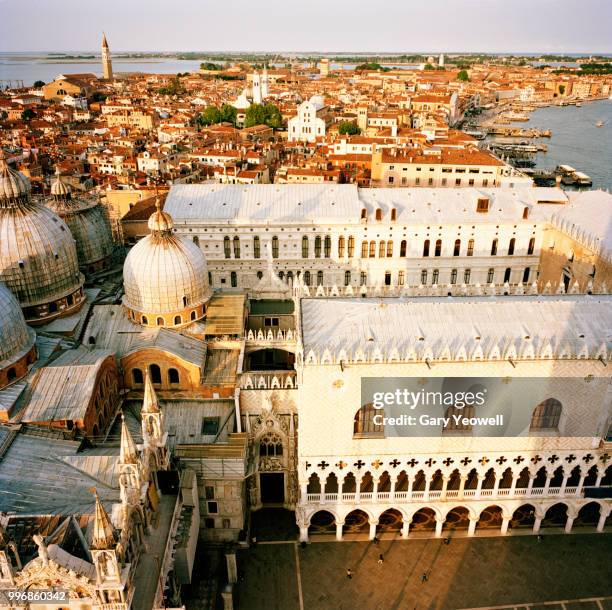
pixel 14 186
pixel 16 338
pixel 38 259
pixel 165 273
pixel 86 221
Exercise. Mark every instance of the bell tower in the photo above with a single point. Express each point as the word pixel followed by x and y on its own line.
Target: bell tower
pixel 107 64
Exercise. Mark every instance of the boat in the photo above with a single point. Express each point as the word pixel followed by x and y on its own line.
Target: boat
pixel 599 124
pixel 578 105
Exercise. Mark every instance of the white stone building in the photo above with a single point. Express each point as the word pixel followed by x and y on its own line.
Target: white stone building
pixel 311 121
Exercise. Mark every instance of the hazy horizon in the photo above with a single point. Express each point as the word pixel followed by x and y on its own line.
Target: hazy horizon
pixel 454 26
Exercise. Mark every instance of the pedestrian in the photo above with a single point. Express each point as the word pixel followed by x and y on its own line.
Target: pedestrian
pixel 375 540
pixel 349 573
pixel 381 559
pixel 540 539
pixel 424 577
pixel 254 540
pixel 447 541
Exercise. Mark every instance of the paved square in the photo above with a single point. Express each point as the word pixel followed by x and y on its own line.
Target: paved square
pixel 467 573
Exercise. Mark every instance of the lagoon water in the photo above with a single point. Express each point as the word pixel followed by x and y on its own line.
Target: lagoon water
pixel 576 140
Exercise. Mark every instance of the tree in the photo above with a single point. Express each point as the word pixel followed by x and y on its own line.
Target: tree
pixel 210 116
pixel 561 89
pixel 263 114
pixel 174 88
pixel 39 84
pixel 429 67
pixel 209 65
pixel 228 114
pixel 27 115
pixel 349 128
pixel 463 75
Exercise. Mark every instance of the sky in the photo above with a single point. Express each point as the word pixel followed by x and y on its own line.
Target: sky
pixel 551 26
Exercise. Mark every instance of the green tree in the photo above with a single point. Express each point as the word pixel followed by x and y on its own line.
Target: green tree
pixel 174 88
pixel 27 115
pixel 349 128
pixel 463 75
pixel 228 114
pixel 429 67
pixel 38 84
pixel 263 114
pixel 210 116
pixel 561 89
pixel 209 65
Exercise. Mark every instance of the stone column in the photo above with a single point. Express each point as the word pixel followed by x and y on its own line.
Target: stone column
pixel 405 528
pixel 444 486
pixel 373 525
pixel 536 524
pixel 339 525
pixel 462 481
pixel 427 483
pixel 322 492
pixel 232 569
pixel 505 524
pixel 563 484
pixel 530 484
pixel 547 484
pixel 392 483
pixel 439 526
pixel 513 485
pixel 409 494
pixel 496 484
pixel 479 481
pixel 472 526
pixel 303 533
pixel 358 489
pixel 600 475
pixel 602 519
pixel 228 597
pixel 340 486
pixel 580 484
pixel 569 523
pixel 375 489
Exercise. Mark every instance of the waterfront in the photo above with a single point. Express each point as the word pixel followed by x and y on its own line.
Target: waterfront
pixel 576 140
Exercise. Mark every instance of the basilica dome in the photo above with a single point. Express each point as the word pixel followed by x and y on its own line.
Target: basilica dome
pixel 87 223
pixel 38 259
pixel 165 277
pixel 17 339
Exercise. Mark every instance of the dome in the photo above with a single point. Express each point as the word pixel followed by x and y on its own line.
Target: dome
pixel 87 223
pixel 38 260
pixel 14 186
pixel 165 277
pixel 16 338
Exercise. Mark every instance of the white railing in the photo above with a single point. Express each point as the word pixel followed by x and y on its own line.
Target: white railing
pixel 417 496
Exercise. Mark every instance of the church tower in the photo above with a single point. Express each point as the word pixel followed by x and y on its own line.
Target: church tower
pixel 264 84
pixel 107 64
pixel 256 88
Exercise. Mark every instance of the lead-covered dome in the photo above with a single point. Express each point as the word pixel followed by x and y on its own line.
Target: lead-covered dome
pixel 17 339
pixel 38 260
pixel 165 277
pixel 87 223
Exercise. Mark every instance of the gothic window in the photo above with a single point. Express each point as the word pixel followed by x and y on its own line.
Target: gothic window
pixel 271 445
pixel 494 247
pixel 458 425
pixel 372 249
pixel 453 276
pixel 364 425
pixel 457 247
pixel 363 278
pixel 289 277
pixel 364 249
pixel 526 275
pixel 438 250
pixel 382 249
pixel 305 246
pixel 233 279
pixel 435 277
pixel 379 214
pixel 403 247
pixel 319 278
pixel 507 274
pixel 466 276
pixel 341 247
pixel 226 247
pixel 546 415
pixel 490 276
pixel 424 276
pixel 236 246
pixel 173 376
pixel 256 247
pixel 347 278
pixel 426 248
pixel 400 278
pixel 393 214
pixel 511 247
pixel 351 246
pixel 470 248
pixel 318 246
pixel 389 249
pixel 275 247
